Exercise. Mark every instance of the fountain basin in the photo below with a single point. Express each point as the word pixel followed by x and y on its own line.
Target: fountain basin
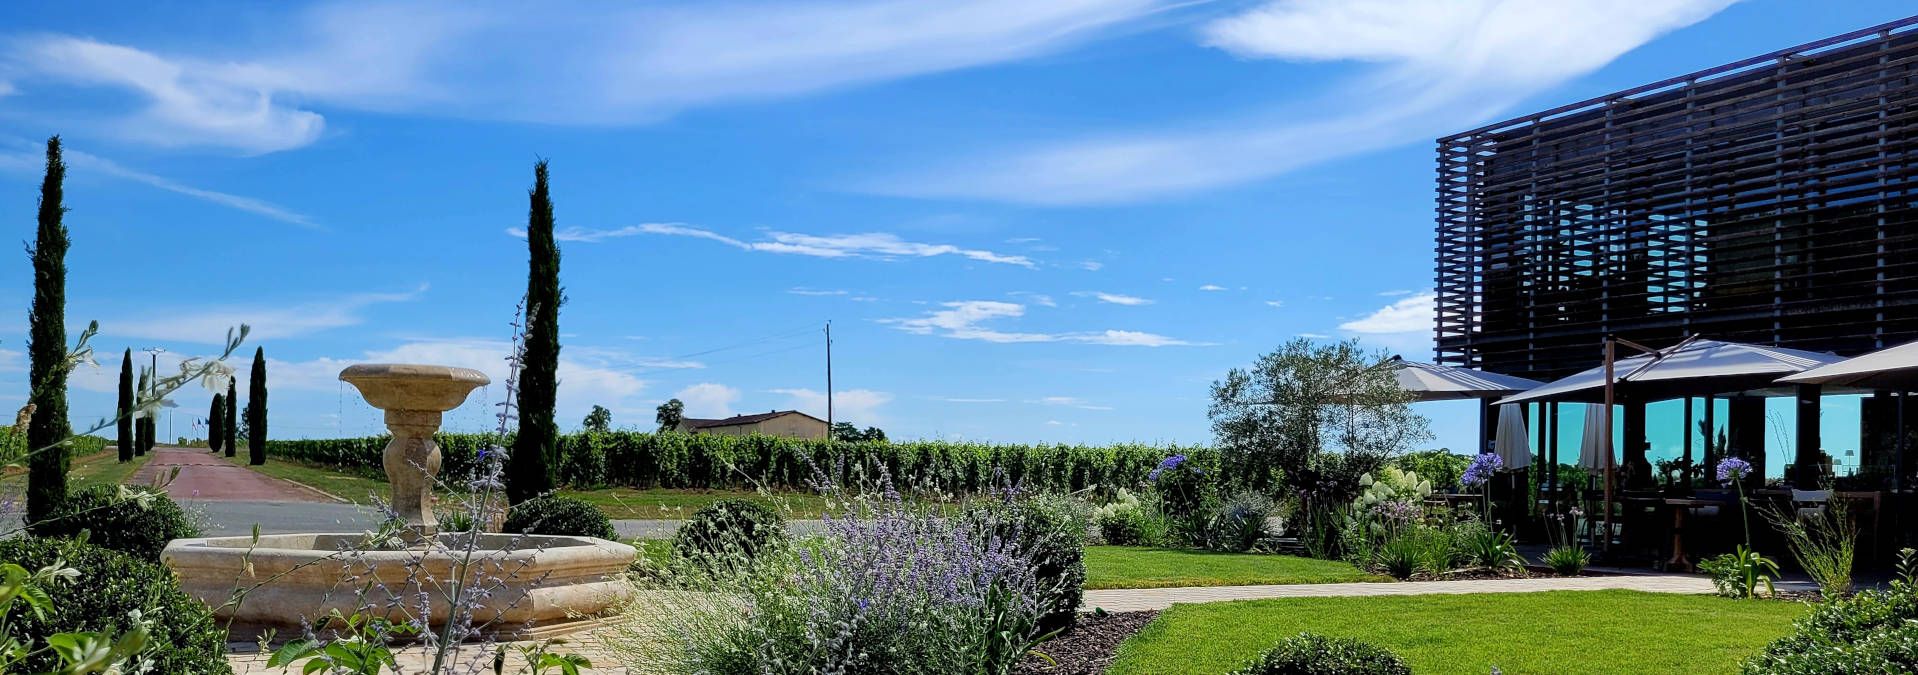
pixel 546 585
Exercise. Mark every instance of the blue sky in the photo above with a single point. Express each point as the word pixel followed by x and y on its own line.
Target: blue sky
pixel 1026 221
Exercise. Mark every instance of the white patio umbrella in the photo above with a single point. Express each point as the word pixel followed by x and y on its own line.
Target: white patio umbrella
pixel 1433 382
pixel 1511 441
pixel 1696 368
pixel 1894 368
pixel 1591 444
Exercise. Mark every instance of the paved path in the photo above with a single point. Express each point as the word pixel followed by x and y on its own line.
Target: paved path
pixel 206 477
pixel 1132 600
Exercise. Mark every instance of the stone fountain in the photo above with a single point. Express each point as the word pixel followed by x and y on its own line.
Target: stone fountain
pixel 547 583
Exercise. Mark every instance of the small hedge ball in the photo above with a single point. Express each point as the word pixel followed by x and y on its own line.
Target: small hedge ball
pixel 139 524
pixel 556 515
pixel 735 529
pixel 110 586
pixel 1312 654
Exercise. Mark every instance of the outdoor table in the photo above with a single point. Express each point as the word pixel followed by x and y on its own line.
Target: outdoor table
pixel 1681 506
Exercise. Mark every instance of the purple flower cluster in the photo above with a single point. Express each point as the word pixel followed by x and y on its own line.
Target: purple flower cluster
pixel 1732 470
pixel 1481 470
pixel 1396 512
pixel 1165 465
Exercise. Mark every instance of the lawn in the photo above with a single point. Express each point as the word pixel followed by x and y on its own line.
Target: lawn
pixel 1555 632
pixel 1134 567
pixel 100 468
pixel 618 503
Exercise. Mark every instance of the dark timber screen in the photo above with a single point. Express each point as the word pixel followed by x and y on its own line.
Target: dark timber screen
pixel 1769 201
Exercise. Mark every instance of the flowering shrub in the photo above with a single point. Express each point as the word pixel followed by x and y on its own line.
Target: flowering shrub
pixel 1049 532
pixel 1313 654
pixel 135 521
pixel 1480 471
pixel 1732 470
pixel 887 587
pixel 1127 521
pixel 1186 496
pixel 1393 485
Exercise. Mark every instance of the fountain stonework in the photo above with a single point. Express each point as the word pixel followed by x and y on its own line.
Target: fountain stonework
pixel 538 584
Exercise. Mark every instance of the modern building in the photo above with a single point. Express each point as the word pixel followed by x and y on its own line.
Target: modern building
pixel 1771 201
pixel 782 423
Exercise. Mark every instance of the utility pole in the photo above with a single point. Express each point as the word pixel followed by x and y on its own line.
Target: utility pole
pixel 829 381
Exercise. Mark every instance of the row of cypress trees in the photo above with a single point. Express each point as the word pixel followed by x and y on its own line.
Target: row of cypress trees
pixel 222 430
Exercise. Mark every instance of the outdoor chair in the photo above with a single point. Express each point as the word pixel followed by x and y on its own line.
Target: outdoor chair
pixel 1810 503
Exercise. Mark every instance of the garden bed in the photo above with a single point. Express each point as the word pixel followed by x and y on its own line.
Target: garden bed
pixel 1089 648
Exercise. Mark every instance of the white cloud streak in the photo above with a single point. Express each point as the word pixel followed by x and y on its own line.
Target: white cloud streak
pixel 268 322
pixel 1115 298
pixel 876 245
pixel 30 158
pixel 1439 67
pixel 1410 314
pixel 962 321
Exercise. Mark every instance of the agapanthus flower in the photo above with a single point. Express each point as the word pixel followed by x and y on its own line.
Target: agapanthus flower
pixel 1165 465
pixel 1481 470
pixel 1732 470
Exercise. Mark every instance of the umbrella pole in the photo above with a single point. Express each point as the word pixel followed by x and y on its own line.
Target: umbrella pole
pixel 1605 438
pixel 1898 472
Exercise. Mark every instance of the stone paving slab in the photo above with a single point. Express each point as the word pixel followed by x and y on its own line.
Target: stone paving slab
pixel 1132 600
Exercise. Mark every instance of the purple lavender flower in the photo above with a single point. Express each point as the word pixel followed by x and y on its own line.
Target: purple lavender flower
pixel 1733 469
pixel 1481 470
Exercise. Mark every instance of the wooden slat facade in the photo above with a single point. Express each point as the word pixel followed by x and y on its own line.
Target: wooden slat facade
pixel 1773 201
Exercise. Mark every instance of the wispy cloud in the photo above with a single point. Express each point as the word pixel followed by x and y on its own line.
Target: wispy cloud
pixel 1069 401
pixel 208 325
pixel 1275 303
pixel 708 399
pixel 605 65
pixel 962 321
pixel 1211 288
pixel 1092 265
pixel 951 399
pixel 28 156
pixel 1437 67
pixel 1411 314
pixel 878 245
pixel 586 381
pixel 801 290
pixel 857 406
pixel 1115 298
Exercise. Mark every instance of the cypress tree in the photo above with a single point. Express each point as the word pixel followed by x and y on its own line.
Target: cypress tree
pixel 531 466
pixel 123 413
pixel 215 414
pixel 256 410
pixel 142 433
pixel 47 347
pixel 231 426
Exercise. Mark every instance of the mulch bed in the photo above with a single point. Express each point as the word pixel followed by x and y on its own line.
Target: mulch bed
pixel 1089 648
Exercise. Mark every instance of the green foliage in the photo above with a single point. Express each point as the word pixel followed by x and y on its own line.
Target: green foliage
pixel 1050 531
pixel 256 410
pixel 215 419
pixel 1485 547
pixel 553 514
pixel 135 521
pixel 1567 560
pixel 1305 398
pixel 1873 631
pixel 729 531
pixel 110 593
pixel 1313 654
pixel 846 432
pixel 1187 492
pixel 231 427
pixel 709 461
pixel 47 347
pixel 1127 521
pixel 1238 524
pixel 1739 573
pixel 599 420
pixel 1825 544
pixel 532 468
pixel 123 411
pixel 363 651
pixel 669 414
pixel 1441 467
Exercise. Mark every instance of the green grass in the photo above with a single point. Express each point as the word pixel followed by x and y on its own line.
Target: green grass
pixel 1594 632
pixel 99 468
pixel 618 503
pixel 1133 567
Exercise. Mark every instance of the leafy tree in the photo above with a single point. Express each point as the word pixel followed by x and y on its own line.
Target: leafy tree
pixel 215 423
pixel 600 420
pixel 256 410
pixel 232 424
pixel 845 431
pixel 669 414
pixel 532 467
pixel 123 412
pixel 47 347
pixel 875 434
pixel 1274 420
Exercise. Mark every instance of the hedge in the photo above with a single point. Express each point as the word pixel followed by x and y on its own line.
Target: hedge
pixel 704 461
pixel 13 446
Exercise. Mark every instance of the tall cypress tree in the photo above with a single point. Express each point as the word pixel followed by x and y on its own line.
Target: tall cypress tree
pixel 142 428
pixel 47 347
pixel 531 468
pixel 215 414
pixel 256 410
pixel 231 426
pixel 123 413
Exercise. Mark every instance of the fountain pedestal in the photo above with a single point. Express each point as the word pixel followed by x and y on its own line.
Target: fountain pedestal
pixel 415 398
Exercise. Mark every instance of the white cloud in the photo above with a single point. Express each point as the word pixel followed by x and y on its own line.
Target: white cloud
pixel 708 399
pixel 1039 299
pixel 1411 314
pixel 1438 67
pixel 1395 293
pixel 1092 266
pixel 970 400
pixel 281 320
pixel 879 245
pixel 607 65
pixel 1069 401
pixel 1115 298
pixel 82 163
pixel 1211 287
pixel 961 321
pixel 584 381
pixel 1275 303
pixel 801 290
pixel 858 406
pixel 1315 336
